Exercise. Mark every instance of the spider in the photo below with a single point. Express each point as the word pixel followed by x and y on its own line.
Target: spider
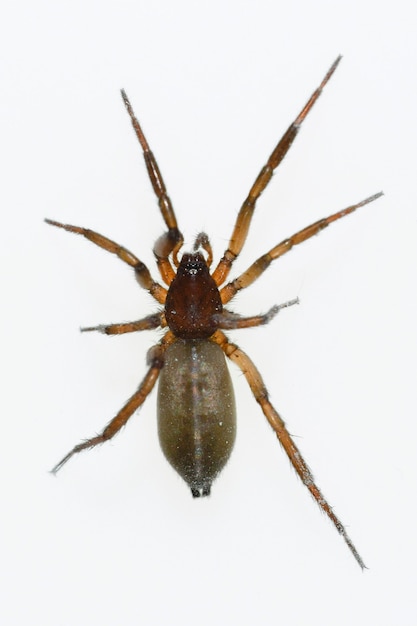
pixel 196 406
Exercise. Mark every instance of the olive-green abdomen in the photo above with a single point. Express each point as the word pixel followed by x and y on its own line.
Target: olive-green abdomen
pixel 196 412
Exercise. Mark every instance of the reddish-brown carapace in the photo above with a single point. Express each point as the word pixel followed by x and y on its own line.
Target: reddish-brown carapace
pixel 196 406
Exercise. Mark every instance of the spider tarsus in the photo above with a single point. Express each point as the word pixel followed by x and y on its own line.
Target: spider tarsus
pixel 333 67
pixel 286 304
pixel 352 208
pixel 100 329
pixel 62 462
pixel 135 123
pixel 277 308
pixel 372 198
pixel 85 445
pixel 353 549
pixel 55 223
pixel 329 74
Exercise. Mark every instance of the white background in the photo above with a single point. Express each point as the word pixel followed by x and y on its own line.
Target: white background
pixel 116 538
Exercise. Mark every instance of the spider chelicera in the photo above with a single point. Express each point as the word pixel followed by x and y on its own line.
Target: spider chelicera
pixel 196 407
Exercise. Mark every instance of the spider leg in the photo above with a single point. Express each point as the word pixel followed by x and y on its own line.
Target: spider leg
pixel 245 215
pixel 147 323
pixel 228 320
pixel 261 264
pixel 235 354
pixel 142 273
pixel 203 240
pixel 171 241
pixel 156 362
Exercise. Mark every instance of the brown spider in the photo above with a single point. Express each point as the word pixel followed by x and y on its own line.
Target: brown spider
pixel 196 407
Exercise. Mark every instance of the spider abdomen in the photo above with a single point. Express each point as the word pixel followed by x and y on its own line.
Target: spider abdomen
pixel 196 412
